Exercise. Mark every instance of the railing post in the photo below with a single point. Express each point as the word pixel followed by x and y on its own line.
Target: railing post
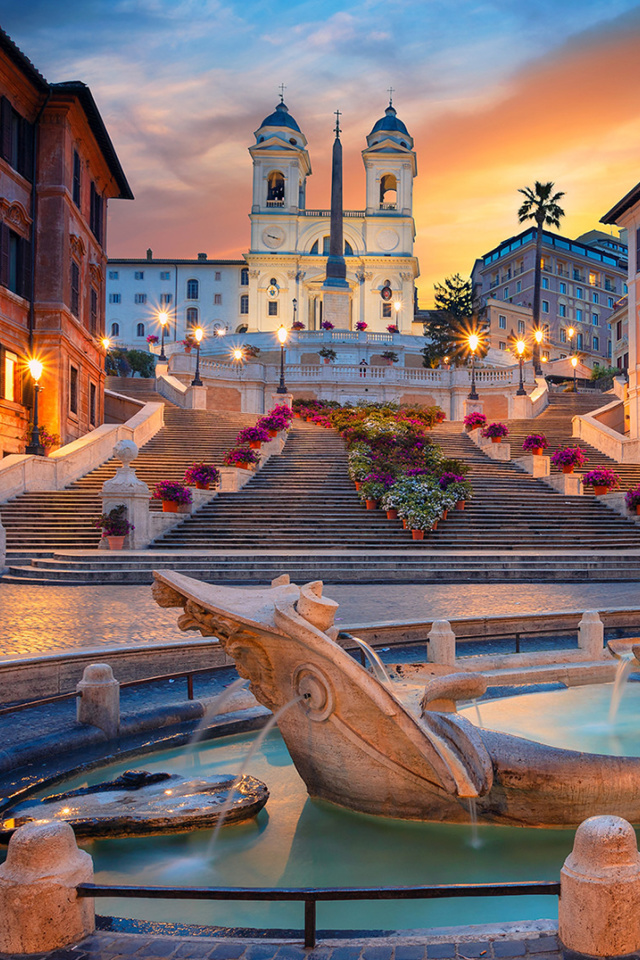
pixel 190 686
pixel 310 923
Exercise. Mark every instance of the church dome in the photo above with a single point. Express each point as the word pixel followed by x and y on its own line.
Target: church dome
pixel 281 118
pixel 390 122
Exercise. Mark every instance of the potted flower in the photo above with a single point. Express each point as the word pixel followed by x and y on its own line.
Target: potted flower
pixel 495 432
pixel 361 325
pixel 393 328
pixel 253 436
pixel 473 421
pixel 423 517
pixel 188 343
pixel 172 494
pixel 328 354
pixel 568 458
pixel 536 444
pixel 243 457
pixel 601 479
pixel 115 526
pixel 390 356
pixel 152 338
pixel 327 325
pixel 374 486
pixel 49 440
pixel 632 499
pixel 457 487
pixel 203 475
pixel 298 325
pixel 251 352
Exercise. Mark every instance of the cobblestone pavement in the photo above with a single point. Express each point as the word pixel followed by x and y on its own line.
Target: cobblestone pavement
pixel 35 620
pixel 105 946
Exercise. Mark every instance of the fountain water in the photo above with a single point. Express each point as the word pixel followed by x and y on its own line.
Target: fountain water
pixel 211 710
pixel 625 667
pixel 378 668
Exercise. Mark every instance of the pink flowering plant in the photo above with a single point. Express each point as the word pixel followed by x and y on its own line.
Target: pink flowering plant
pixel 474 420
pixel 375 485
pixel 278 419
pixel 252 435
pixel 632 498
pixel 535 441
pixel 238 455
pixel 298 325
pixel 495 431
pixel 361 325
pixel 327 325
pixel 152 338
pixel 392 328
pixel 569 457
pixel 172 491
pixel 204 473
pixel 114 523
pixel 601 477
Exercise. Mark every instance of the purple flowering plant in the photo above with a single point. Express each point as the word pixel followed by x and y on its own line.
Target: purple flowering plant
pixel 204 473
pixel 361 325
pixel 535 441
pixel 569 457
pixel 601 477
pixel 173 491
pixel 495 431
pixel 238 455
pixel 632 498
pixel 114 523
pixel 252 435
pixel 448 478
pixel 327 325
pixel 474 420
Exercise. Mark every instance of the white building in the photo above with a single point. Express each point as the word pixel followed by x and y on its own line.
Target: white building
pixel 281 277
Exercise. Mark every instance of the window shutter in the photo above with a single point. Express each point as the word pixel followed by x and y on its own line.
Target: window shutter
pixel 4 255
pixel 25 149
pixel 6 115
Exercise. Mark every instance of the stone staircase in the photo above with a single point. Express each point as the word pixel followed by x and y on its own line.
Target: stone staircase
pixel 140 388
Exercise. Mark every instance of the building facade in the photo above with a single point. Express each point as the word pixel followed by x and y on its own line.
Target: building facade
pixel 58 169
pixel 280 278
pixel 582 282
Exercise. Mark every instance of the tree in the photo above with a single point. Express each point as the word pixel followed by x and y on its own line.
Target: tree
pixel 541 206
pixel 456 315
pixel 141 362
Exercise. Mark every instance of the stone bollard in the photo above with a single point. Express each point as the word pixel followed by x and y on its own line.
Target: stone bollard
pixel 599 913
pixel 591 635
pixel 442 643
pixel 99 704
pixel 39 906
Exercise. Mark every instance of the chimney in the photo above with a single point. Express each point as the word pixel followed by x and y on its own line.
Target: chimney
pixel 202 256
pixel 149 254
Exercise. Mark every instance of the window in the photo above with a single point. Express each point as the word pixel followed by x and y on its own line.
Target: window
pixel 502 322
pixel 505 294
pixel 388 192
pixel 545 354
pixel 244 304
pixel 563 335
pixel 244 276
pixel 609 349
pixel 193 289
pixel 519 286
pixel 275 189
pixel 9 373
pixel 521 327
pixel 545 283
pixel 562 309
pixel 218 276
pixel 115 297
pixel 165 275
pixel 502 345
pixel 580 339
pixel 76 178
pixel 386 310
pixel 140 330
pixel 75 289
pixel 114 275
pixel 576 274
pixel 192 316
pixel 273 308
pixel 579 315
pixel 595 319
pixel 15 262
pixel 93 313
pixel 595 297
pixel 166 299
pixel 596 343
pixel 115 329
pixel 73 390
pixel 545 306
pixel 619 330
pixel 217 299
pixel 138 275
pixel 140 298
pixel 92 403
pixel 16 139
pixel 579 293
pixel 563 288
pixel 610 303
pixel 96 212
pixel 594 279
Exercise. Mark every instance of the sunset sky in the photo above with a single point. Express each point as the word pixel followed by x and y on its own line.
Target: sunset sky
pixel 496 94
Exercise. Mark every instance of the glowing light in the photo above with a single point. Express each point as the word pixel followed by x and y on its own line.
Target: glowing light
pixel 570 332
pixel 446 359
pixel 198 334
pixel 220 332
pixel 574 362
pixel 106 343
pixel 282 334
pixel 538 335
pixel 545 360
pixel 520 345
pixel 397 306
pixel 238 354
pixel 35 368
pixel 474 342
pixel 163 318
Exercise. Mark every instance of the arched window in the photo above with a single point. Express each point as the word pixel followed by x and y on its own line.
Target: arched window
pixel 244 303
pixel 275 188
pixel 348 249
pixel 244 277
pixel 192 316
pixel 326 242
pixel 242 328
pixel 193 289
pixel 140 330
pixel 388 192
pixel 115 329
pixel 314 248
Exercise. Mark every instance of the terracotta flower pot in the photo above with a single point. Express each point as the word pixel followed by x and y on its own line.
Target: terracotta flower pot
pixel 255 445
pixel 496 439
pixel 358 484
pixel 273 433
pixel 116 543
pixel 392 513
pixel 243 466
pixel 568 468
pixel 445 514
pixel 371 504
pixel 638 509
pixel 168 506
pixel 404 524
pixel 537 451
pixel 202 486
pixel 460 504
pixel 435 526
pixel 599 490
pixel 417 534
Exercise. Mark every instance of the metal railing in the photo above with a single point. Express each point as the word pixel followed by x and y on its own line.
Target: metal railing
pixel 311 897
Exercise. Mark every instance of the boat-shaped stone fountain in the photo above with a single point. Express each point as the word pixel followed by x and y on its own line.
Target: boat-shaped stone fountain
pixel 387 748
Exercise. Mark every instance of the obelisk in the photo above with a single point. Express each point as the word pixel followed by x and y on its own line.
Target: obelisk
pixel 336 290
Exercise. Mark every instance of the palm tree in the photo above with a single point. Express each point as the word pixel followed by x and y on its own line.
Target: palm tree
pixel 540 205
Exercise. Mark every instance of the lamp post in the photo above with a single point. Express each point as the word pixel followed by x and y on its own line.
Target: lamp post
pixel 163 320
pixel 520 345
pixel 282 337
pixel 198 334
pixel 295 310
pixel 35 447
pixel 574 364
pixel 238 357
pixel 397 306
pixel 473 342
pixel 106 343
pixel 537 337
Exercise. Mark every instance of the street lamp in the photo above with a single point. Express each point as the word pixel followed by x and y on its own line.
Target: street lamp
pixel 198 334
pixel 574 364
pixel 520 345
pixel 397 306
pixel 537 337
pixel 282 337
pixel 163 320
pixel 473 342
pixel 35 369
pixel 295 310
pixel 106 343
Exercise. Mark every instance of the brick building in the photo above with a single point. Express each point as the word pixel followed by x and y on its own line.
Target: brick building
pixel 58 169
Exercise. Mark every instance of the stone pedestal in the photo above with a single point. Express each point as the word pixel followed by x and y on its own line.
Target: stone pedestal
pixel 568 484
pixel 277 399
pixel 39 906
pixel 591 634
pixel 126 488
pixel 197 398
pixel 616 501
pixel 539 466
pixel 497 451
pixel 336 306
pixel 99 704
pixel 162 369
pixel 598 912
pixel 473 406
pixel 442 643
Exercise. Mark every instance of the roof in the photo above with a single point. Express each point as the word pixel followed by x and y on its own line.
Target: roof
pixel 174 260
pixel 562 244
pixel 390 122
pixel 280 118
pixel 22 62
pixel 628 201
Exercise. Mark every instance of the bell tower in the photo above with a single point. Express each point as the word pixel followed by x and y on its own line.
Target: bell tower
pixel 281 166
pixel 390 165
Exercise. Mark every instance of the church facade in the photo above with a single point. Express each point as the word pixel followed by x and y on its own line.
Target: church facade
pixel 281 277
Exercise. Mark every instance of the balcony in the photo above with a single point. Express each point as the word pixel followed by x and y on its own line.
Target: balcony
pixel 275 203
pixel 388 206
pixel 611 287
